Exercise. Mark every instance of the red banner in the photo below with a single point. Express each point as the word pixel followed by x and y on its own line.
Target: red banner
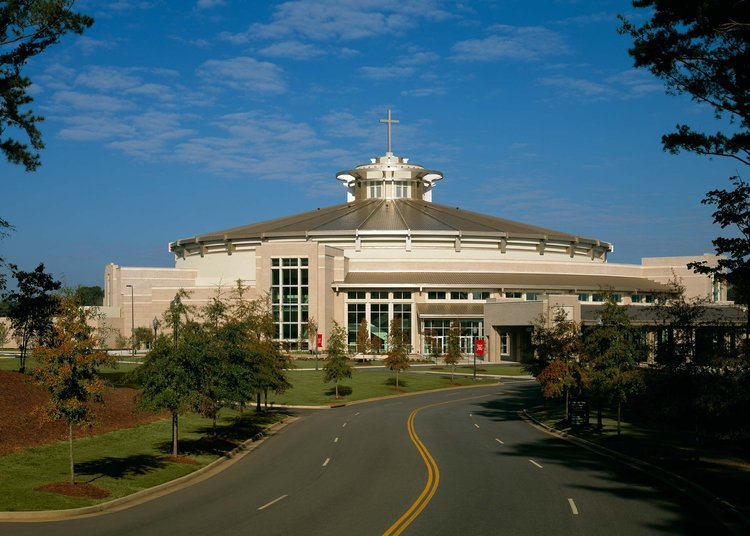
pixel 479 350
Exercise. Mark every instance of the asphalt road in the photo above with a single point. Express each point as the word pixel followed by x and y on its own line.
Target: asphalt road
pixel 355 470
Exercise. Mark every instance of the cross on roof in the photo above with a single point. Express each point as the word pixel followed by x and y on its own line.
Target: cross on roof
pixel 389 121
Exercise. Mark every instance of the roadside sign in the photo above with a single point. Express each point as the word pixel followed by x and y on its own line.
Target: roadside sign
pixel 320 340
pixel 479 350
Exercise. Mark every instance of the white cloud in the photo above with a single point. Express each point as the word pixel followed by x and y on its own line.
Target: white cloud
pixel 88 46
pixel 325 20
pixel 159 92
pixel 590 18
pixel 636 83
pixel 291 49
pixel 107 78
pixel 423 92
pixel 624 85
pixel 523 43
pixel 93 128
pixel 579 88
pixel 245 74
pixel 90 102
pixel 418 57
pixel 208 4
pixel 386 73
pixel 198 42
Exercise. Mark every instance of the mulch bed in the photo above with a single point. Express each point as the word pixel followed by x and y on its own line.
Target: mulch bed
pixel 179 459
pixel 21 427
pixel 79 489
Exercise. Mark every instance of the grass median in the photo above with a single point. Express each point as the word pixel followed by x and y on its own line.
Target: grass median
pixel 309 390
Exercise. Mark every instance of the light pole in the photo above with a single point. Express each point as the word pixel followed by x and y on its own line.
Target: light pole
pixel 155 324
pixel 132 318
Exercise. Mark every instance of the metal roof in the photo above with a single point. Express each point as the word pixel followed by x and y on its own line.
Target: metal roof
pixel 387 215
pixel 479 280
pixel 711 314
pixel 442 310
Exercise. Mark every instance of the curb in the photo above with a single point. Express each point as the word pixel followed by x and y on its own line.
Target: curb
pixel 145 495
pixel 726 513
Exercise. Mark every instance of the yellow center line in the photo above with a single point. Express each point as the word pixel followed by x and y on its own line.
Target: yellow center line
pixel 433 473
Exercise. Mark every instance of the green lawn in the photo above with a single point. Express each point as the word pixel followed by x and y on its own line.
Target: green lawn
pixel 309 389
pixel 504 370
pixel 122 462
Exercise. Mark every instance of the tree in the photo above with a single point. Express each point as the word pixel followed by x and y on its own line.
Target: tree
pixel 613 353
pixel 312 334
pixel 143 337
pixel 337 368
pixel 27 28
pixel 171 374
pixel 4 334
pixel 398 351
pixel 732 210
pixel 687 45
pixel 263 354
pixel 5 227
pixel 178 313
pixel 557 343
pixel 32 306
pixel 702 49
pixel 432 343
pixel 67 369
pixel 453 350
pixel 363 338
pixel 93 296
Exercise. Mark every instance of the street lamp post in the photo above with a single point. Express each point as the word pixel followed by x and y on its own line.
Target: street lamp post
pixel 155 324
pixel 132 318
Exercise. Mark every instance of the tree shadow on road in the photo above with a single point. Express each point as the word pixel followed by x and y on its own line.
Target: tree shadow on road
pixel 680 514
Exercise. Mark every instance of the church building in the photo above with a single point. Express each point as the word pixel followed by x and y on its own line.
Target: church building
pixel 392 253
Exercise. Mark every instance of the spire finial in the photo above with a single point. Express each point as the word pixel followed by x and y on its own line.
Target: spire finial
pixel 389 121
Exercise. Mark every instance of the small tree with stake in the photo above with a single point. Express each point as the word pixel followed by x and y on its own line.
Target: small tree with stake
pixel 363 338
pixel 336 367
pixel 453 353
pixel 68 369
pixel 398 354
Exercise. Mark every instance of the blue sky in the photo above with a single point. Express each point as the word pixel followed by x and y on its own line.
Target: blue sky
pixel 171 119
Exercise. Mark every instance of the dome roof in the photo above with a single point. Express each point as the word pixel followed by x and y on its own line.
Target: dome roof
pixel 410 216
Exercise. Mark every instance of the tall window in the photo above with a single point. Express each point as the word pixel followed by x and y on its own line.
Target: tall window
pixel 289 298
pixel 504 344
pixel 375 190
pixel 355 313
pixel 379 326
pixel 401 189
pixel 402 311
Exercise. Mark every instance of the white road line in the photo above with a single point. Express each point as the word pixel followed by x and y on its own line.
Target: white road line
pixel 539 466
pixel 475 424
pixel 356 414
pixel 573 507
pixel 499 441
pixel 326 462
pixel 273 502
pixel 343 425
pixel 336 440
